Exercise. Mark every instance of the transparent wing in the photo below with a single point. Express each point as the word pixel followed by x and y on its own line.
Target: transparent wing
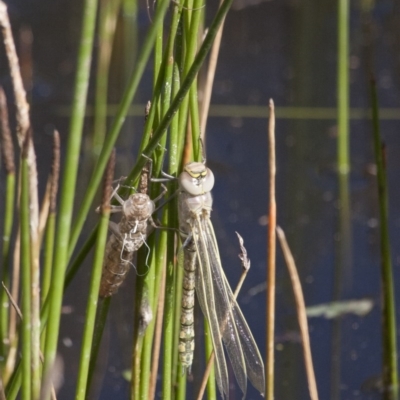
pixel 206 298
pixel 237 337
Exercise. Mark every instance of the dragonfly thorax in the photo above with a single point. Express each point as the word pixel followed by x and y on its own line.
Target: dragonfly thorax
pixel 138 205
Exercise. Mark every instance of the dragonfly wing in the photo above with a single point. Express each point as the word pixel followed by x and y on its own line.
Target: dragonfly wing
pixel 237 337
pixel 206 298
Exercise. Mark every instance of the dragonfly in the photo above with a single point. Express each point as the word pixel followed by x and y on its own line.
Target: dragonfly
pixel 203 273
pixel 129 234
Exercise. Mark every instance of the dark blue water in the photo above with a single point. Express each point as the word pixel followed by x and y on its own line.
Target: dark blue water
pixel 286 51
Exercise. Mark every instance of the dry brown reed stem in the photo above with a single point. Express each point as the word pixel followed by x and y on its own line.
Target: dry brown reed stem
pixel 35 267
pixel 271 246
pixel 12 301
pixel 2 394
pixel 301 313
pixel 25 42
pixel 107 182
pixel 49 203
pixel 55 171
pixel 212 66
pixel 7 147
pixel 157 336
pixel 44 211
pixel 245 269
pixel 23 127
pixel 22 114
pixel 19 313
pixel 22 110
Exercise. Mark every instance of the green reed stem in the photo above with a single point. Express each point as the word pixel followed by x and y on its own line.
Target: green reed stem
pixel 181 386
pixel 7 231
pixel 343 86
pixel 389 334
pixel 117 125
pixel 198 6
pixel 26 280
pixel 211 384
pixel 102 311
pixel 186 84
pixel 159 132
pixel 165 257
pixel 82 254
pixel 48 256
pixel 195 122
pixel 107 22
pixel 170 350
pixel 343 152
pixel 151 280
pixel 148 295
pixel 8 156
pixel 129 17
pixel 69 181
pixel 191 23
pixel 15 382
pixel 91 307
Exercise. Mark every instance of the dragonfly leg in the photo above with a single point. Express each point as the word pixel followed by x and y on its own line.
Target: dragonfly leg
pixel 163 191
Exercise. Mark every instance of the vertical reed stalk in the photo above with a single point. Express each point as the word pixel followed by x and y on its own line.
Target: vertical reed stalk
pixel 389 330
pixel 117 125
pixel 152 278
pixel 170 338
pixel 343 87
pixel 26 276
pixel 69 181
pixel 107 22
pixel 22 128
pixel 343 265
pixel 51 221
pixel 9 163
pixel 271 246
pixel 95 283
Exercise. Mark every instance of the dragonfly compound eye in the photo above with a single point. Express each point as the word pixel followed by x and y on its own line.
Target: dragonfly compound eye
pixel 196 179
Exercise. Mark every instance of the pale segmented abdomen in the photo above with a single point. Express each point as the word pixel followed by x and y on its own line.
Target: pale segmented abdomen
pixel 186 335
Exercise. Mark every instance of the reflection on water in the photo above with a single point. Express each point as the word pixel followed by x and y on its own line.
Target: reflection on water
pixel 337 309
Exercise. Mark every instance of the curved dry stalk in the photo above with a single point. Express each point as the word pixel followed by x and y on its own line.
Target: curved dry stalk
pixel 301 313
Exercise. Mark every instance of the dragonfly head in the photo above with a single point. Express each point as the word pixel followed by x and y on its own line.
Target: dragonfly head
pixel 196 179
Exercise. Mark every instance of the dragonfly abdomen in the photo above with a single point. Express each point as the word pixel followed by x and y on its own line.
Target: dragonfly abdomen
pixel 116 265
pixel 186 335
